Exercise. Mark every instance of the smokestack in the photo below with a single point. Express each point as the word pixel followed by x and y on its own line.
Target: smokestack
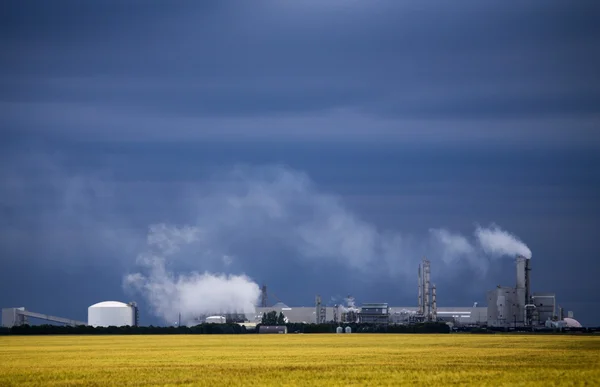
pixel 527 283
pixel 521 270
pixel 433 304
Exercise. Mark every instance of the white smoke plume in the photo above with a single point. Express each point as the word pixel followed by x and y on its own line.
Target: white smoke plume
pixel 241 217
pixel 190 295
pixel 497 242
pixel 492 242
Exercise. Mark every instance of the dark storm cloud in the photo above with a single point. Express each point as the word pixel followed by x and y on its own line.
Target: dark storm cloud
pixel 416 114
pixel 346 68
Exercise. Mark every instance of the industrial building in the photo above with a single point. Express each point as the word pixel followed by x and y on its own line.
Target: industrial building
pixel 518 307
pixel 282 329
pixel 102 314
pixel 507 307
pixel 374 313
pixel 475 315
pixel 20 316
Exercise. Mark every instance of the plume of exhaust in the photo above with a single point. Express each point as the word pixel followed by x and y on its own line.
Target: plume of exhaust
pixel 491 242
pixel 497 242
pixel 248 216
pixel 187 295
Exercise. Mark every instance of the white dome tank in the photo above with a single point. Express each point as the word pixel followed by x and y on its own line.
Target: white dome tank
pixel 111 313
pixel 215 320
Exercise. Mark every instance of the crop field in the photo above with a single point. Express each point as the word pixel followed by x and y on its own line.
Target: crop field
pixel 259 360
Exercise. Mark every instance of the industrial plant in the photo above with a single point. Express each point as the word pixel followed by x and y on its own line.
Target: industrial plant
pixel 507 308
pixel 102 314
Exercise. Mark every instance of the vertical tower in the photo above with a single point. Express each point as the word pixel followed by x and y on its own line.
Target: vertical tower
pixel 136 313
pixel 426 288
pixel 521 271
pixel 520 298
pixel 561 313
pixel 527 282
pixel 420 285
pixel 263 296
pixel 318 313
pixel 523 288
pixel 433 304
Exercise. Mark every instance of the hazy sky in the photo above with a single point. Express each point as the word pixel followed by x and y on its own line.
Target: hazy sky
pixel 391 117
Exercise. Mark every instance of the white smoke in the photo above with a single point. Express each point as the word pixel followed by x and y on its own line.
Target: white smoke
pixel 492 242
pixel 190 295
pixel 454 248
pixel 246 213
pixel 455 245
pixel 497 242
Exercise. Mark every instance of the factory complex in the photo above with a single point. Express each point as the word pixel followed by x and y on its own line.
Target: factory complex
pixel 507 308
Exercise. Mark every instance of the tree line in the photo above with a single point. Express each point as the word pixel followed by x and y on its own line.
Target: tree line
pixel 229 328
pixel 206 329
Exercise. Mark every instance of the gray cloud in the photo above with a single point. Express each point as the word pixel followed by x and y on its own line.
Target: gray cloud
pixel 57 214
pixel 332 72
pixel 251 210
pixel 84 123
pixel 418 113
pixel 349 230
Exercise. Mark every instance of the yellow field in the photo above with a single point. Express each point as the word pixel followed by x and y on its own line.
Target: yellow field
pixel 258 360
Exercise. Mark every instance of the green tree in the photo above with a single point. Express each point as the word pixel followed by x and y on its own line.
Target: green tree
pixel 281 319
pixel 269 318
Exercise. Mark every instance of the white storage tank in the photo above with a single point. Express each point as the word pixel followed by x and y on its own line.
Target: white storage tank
pixel 215 320
pixel 111 313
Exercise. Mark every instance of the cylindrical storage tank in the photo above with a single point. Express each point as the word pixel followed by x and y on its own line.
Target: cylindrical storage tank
pixel 111 313
pixel 339 330
pixel 348 330
pixel 215 320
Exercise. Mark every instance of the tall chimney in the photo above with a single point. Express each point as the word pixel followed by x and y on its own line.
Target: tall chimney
pixel 521 270
pixel 527 282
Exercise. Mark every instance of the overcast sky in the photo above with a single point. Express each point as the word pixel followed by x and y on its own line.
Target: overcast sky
pixel 404 115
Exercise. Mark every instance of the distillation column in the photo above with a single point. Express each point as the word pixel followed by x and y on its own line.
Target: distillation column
pixel 420 281
pixel 427 275
pixel 433 304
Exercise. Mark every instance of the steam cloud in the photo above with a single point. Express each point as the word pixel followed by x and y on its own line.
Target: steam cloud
pixel 246 212
pixel 497 242
pixel 189 296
